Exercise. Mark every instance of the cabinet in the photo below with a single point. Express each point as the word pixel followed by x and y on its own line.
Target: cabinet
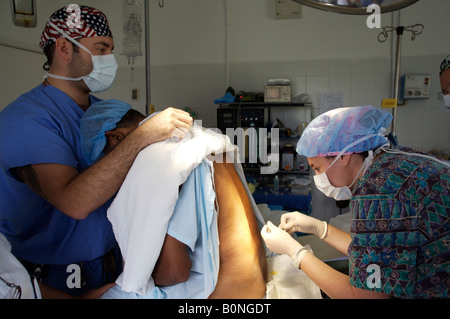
pixel 236 110
pixel 253 118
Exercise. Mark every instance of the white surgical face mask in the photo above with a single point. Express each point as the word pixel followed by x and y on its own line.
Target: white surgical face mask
pixel 339 193
pixel 446 99
pixel 343 193
pixel 104 68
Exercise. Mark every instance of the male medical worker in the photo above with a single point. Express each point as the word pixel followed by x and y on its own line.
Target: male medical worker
pixel 444 76
pixel 52 205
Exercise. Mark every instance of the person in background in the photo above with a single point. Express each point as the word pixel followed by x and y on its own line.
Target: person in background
pixel 444 76
pixel 52 204
pixel 399 201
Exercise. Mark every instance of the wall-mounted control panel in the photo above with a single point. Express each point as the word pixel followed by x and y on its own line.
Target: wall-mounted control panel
pixel 415 87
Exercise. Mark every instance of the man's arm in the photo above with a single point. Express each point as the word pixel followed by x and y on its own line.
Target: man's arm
pixel 78 194
pixel 173 265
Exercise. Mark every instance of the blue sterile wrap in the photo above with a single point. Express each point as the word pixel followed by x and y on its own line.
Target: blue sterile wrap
pixel 99 118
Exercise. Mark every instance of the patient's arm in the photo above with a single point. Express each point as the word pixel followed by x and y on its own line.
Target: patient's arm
pixel 243 264
pixel 173 265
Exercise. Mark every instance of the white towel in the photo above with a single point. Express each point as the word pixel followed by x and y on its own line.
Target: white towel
pixel 144 204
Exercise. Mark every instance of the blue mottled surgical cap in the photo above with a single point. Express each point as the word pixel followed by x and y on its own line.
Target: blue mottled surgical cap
pixel 333 131
pixel 99 118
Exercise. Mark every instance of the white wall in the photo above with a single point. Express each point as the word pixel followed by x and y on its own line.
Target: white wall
pixel 321 52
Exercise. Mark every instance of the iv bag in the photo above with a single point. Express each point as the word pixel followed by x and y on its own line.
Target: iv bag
pixel 132 29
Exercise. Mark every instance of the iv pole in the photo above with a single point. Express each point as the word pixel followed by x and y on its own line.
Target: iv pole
pixel 382 36
pixel 147 57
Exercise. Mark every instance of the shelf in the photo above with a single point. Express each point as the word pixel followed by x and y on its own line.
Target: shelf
pixel 258 118
pixel 258 169
pixel 265 104
pixel 293 172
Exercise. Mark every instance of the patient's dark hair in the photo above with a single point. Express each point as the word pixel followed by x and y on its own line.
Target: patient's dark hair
pixel 131 118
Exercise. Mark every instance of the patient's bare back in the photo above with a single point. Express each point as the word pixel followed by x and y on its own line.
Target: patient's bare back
pixel 243 265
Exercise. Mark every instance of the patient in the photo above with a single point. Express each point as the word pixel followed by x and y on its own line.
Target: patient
pixel 243 266
pixel 104 125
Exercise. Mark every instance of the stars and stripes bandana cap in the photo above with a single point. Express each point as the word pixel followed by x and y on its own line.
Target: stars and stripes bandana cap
pixel 77 22
pixel 445 64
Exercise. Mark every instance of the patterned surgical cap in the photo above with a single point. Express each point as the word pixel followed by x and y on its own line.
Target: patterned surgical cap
pixel 333 131
pixel 445 64
pixel 77 22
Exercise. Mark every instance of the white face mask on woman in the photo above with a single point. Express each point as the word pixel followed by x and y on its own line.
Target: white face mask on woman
pixel 343 193
pixel 339 193
pixel 446 100
pixel 104 68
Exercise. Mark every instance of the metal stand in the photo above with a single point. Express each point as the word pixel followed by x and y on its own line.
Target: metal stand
pixel 382 36
pixel 147 57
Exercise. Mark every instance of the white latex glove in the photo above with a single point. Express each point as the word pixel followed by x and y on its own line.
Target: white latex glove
pixel 280 242
pixel 171 122
pixel 298 222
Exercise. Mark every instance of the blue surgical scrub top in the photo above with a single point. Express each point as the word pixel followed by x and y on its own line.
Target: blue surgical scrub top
pixel 43 126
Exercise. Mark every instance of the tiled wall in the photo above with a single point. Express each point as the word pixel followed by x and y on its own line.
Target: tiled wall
pixel 422 124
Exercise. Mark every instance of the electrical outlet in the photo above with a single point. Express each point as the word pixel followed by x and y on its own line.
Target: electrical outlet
pixel 135 94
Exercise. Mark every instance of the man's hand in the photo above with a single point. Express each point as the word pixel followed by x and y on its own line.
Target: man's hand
pixel 167 123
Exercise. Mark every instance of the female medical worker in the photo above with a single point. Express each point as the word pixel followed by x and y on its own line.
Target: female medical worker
pixel 399 241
